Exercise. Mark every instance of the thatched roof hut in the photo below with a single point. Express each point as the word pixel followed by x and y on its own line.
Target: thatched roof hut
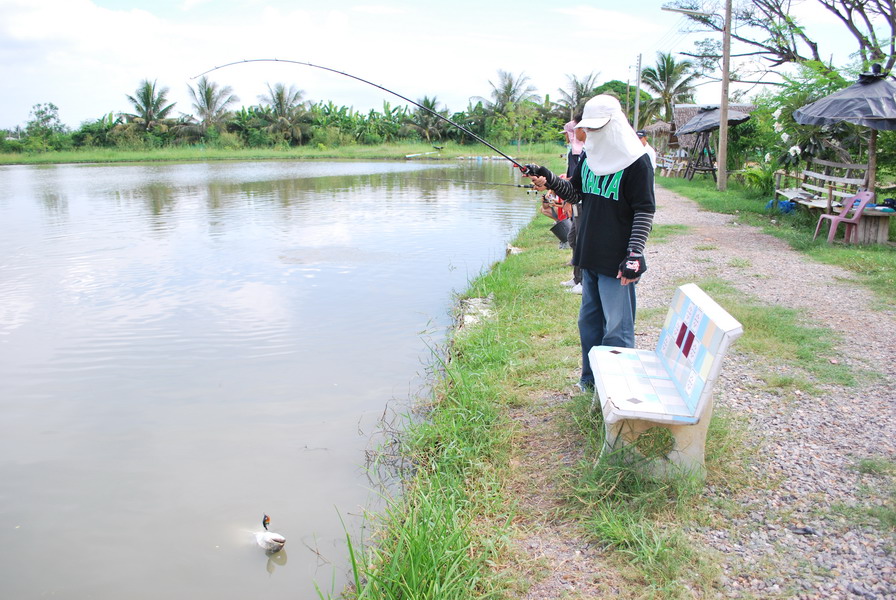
pixel 658 128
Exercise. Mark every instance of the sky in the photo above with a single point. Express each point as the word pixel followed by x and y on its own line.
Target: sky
pixel 87 56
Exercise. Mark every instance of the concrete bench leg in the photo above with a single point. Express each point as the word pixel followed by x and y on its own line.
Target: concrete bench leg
pixel 685 457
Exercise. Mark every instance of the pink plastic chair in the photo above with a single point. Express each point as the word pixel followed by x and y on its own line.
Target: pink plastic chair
pixel 851 223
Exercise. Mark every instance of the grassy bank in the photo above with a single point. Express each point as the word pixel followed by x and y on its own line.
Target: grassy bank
pixel 873 265
pixel 421 151
pixel 443 536
pixel 449 534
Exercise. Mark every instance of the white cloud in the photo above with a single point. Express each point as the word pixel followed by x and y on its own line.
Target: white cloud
pixel 378 9
pixel 191 4
pixel 86 58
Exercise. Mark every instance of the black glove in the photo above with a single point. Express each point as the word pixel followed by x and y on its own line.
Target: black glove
pixel 537 171
pixel 633 266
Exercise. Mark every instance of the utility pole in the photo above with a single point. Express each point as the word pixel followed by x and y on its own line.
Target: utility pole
pixel 628 91
pixel 722 183
pixel 722 154
pixel 638 93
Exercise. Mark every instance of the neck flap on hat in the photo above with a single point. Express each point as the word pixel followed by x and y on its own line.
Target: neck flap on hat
pixel 613 147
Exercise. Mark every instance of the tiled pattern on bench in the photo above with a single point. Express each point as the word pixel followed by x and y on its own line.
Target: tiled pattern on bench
pixel 688 348
pixel 667 385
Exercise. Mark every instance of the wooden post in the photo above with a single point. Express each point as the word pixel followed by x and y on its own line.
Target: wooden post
pixel 723 107
pixel 871 173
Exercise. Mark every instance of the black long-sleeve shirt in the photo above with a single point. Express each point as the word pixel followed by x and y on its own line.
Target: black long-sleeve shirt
pixel 615 215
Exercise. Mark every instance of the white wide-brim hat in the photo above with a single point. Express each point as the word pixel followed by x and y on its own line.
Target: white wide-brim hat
pixel 598 111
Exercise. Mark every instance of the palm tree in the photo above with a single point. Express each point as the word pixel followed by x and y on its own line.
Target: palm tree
pixel 508 92
pixel 282 101
pixel 150 105
pixel 577 92
pixel 211 102
pixel 286 112
pixel 671 81
pixel 426 124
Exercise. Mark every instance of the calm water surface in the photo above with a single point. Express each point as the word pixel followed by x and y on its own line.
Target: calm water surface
pixel 186 347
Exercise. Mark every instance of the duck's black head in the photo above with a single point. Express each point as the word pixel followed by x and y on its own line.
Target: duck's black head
pixel 265 521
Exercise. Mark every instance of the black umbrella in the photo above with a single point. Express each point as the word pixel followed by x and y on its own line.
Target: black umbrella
pixel 871 102
pixel 708 120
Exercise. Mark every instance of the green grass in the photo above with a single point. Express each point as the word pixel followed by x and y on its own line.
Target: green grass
pixel 876 466
pixel 636 516
pixel 872 265
pixel 781 338
pixel 548 154
pixel 661 233
pixel 876 504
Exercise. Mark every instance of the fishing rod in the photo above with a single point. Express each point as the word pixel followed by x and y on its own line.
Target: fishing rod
pixel 519 185
pixel 522 168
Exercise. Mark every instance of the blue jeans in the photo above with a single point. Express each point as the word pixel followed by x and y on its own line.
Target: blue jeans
pixel 607 317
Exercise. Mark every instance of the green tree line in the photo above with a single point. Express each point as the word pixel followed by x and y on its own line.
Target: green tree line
pixel 512 113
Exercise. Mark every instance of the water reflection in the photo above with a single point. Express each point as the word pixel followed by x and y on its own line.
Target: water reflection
pixel 185 346
pixel 275 559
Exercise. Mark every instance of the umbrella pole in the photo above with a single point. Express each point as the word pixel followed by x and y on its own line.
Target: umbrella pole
pixel 871 174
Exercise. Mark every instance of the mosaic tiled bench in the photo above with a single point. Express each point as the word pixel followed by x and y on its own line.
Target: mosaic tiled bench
pixel 669 387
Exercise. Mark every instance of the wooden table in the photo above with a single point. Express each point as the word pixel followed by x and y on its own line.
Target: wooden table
pixel 873 227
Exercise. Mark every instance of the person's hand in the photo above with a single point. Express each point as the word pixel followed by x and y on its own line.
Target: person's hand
pixel 631 268
pixel 539 184
pixel 540 176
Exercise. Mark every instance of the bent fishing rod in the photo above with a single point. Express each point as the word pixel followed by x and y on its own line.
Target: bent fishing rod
pixel 523 168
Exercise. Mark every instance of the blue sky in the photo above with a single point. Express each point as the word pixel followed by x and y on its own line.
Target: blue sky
pixel 85 56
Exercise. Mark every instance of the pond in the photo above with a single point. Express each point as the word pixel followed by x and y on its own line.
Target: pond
pixel 186 347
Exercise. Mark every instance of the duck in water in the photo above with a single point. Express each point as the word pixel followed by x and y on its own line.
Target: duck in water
pixel 270 541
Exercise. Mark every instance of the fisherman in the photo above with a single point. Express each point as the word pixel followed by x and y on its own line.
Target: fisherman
pixel 613 184
pixel 642 135
pixel 575 140
pixel 574 143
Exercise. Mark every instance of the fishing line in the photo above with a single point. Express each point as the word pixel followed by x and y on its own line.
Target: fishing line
pixel 417 104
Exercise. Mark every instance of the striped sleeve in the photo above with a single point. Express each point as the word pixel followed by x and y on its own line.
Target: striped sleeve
pixel 565 189
pixel 642 223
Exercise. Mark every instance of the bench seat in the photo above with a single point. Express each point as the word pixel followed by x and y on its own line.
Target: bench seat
pixel 636 385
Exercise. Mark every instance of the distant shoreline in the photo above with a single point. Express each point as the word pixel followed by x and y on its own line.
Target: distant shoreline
pixel 542 153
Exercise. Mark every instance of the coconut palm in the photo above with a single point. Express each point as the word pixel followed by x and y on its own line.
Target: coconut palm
pixel 284 102
pixel 671 81
pixel 286 112
pixel 508 92
pixel 150 105
pixel 424 122
pixel 211 102
pixel 577 92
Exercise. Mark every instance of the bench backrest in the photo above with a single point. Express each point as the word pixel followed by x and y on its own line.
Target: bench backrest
pixel 694 339
pixel 832 178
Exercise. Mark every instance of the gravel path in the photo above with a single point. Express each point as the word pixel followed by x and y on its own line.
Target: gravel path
pixel 797 535
pixel 810 445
